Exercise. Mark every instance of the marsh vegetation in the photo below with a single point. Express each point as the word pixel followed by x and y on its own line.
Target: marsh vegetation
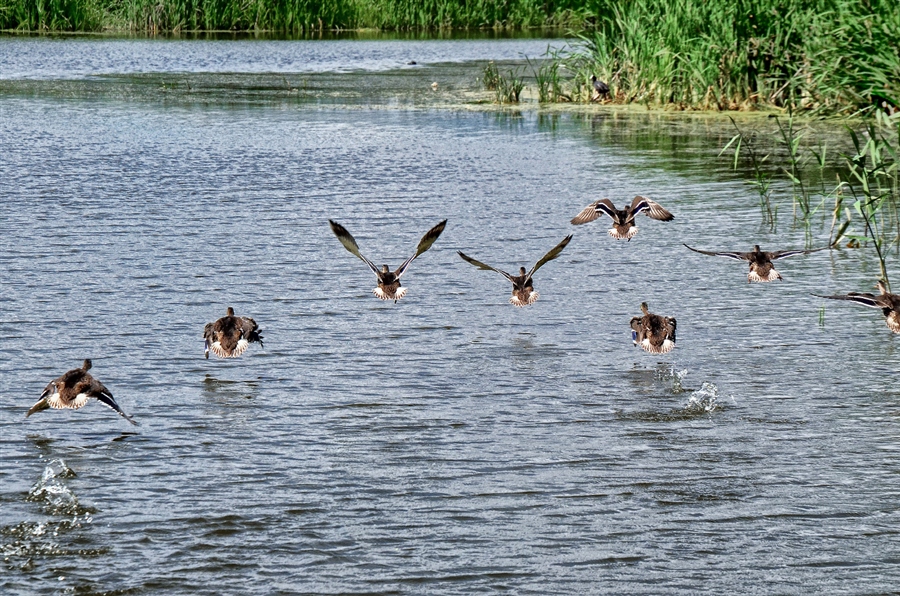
pixel 823 56
pixel 856 189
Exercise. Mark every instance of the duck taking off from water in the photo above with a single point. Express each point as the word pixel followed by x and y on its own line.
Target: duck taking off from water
pixel 653 333
pixel 761 268
pixel 601 89
pixel 73 390
pixel 622 219
pixel 523 292
pixel 389 287
pixel 230 336
pixel 887 302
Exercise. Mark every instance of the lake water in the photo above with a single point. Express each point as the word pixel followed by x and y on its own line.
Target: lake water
pixel 446 444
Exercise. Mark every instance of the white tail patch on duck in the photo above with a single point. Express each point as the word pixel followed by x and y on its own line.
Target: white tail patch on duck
pixel 400 293
pixel 615 233
pixel 667 346
pixel 57 403
pixel 517 300
pixel 221 352
pixel 753 276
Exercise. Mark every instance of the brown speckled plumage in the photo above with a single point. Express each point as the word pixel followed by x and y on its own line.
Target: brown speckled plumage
pixel 887 302
pixel 389 287
pixel 653 333
pixel 73 390
pixel 230 336
pixel 624 227
pixel 761 268
pixel 523 293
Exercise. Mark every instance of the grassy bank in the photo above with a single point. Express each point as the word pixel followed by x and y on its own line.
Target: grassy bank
pixel 830 56
pixel 295 16
pixel 823 56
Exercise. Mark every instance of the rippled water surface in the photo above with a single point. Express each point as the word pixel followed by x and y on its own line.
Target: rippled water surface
pixel 38 58
pixel 449 443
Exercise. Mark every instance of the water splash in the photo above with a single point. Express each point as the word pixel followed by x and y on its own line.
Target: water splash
pixel 704 400
pixel 52 490
pixel 27 540
pixel 667 372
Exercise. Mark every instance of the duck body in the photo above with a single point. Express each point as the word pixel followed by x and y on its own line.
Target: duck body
pixel 73 389
pixel 887 302
pixel 623 226
pixel 653 333
pixel 389 287
pixel 761 267
pixel 523 292
pixel 230 336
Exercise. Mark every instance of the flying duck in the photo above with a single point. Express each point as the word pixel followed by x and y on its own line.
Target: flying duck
pixel 600 88
pixel 73 390
pixel 761 269
pixel 653 333
pixel 389 287
pixel 887 302
pixel 623 219
pixel 523 292
pixel 229 336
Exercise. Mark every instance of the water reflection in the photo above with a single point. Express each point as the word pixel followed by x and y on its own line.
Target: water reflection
pixel 227 389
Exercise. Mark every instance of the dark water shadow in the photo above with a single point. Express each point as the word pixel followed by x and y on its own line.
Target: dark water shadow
pixel 228 389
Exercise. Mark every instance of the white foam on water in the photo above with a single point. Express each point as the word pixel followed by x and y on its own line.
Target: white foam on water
pixel 675 376
pixel 705 399
pixel 52 490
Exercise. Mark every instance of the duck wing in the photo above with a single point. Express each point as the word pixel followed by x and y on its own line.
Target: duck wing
pixel 670 327
pixel 782 254
pixel 863 298
pixel 104 395
pixel 651 209
pixel 484 266
pixel 740 256
pixel 636 325
pixel 349 243
pixel 424 244
pixel 250 330
pixel 554 252
pixel 41 405
pixel 593 211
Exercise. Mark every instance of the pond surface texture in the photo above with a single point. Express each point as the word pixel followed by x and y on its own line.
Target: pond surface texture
pixel 446 444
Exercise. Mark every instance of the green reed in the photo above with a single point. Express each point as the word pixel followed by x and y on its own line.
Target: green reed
pixel 866 196
pixel 509 87
pixel 549 80
pixel 873 179
pixel 825 56
pixel 286 15
pixel 490 77
pixel 746 144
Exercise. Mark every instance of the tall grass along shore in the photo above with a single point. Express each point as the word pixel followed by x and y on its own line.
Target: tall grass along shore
pixel 292 16
pixel 825 56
